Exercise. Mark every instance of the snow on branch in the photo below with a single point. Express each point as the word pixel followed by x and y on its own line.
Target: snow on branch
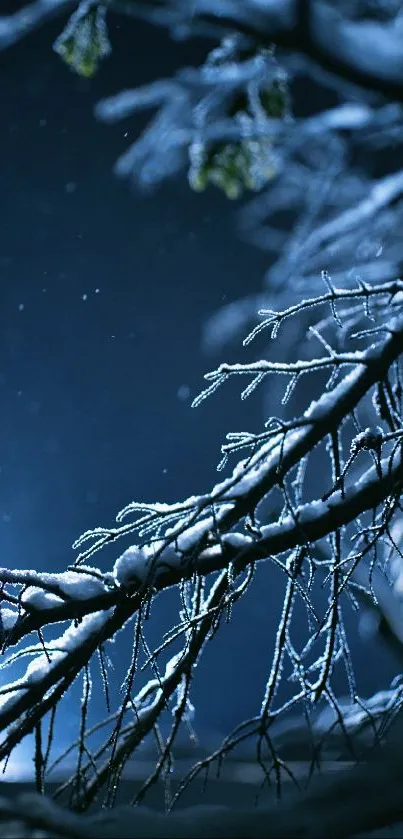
pixel 28 18
pixel 221 532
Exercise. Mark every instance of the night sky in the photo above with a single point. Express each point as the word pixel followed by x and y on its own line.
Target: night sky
pixel 103 296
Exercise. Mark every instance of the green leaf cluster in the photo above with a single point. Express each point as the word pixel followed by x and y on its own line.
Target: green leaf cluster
pixel 245 165
pixel 84 42
pixel 235 167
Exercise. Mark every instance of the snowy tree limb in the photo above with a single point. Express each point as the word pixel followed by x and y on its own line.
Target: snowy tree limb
pixel 30 17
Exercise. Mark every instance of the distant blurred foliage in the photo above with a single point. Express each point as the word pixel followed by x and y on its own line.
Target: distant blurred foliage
pixel 232 168
pixel 84 42
pixel 249 161
pixel 249 164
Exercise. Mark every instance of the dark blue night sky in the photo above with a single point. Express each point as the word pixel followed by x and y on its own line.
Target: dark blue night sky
pixel 103 297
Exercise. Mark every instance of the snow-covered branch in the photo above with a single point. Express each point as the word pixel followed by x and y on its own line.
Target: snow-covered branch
pixel 220 531
pixel 30 17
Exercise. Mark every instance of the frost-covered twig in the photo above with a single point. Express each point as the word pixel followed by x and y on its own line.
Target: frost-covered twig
pixel 221 531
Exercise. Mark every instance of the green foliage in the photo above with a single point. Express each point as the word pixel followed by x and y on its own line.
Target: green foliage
pixel 84 42
pixel 275 100
pixel 234 167
pixel 248 164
